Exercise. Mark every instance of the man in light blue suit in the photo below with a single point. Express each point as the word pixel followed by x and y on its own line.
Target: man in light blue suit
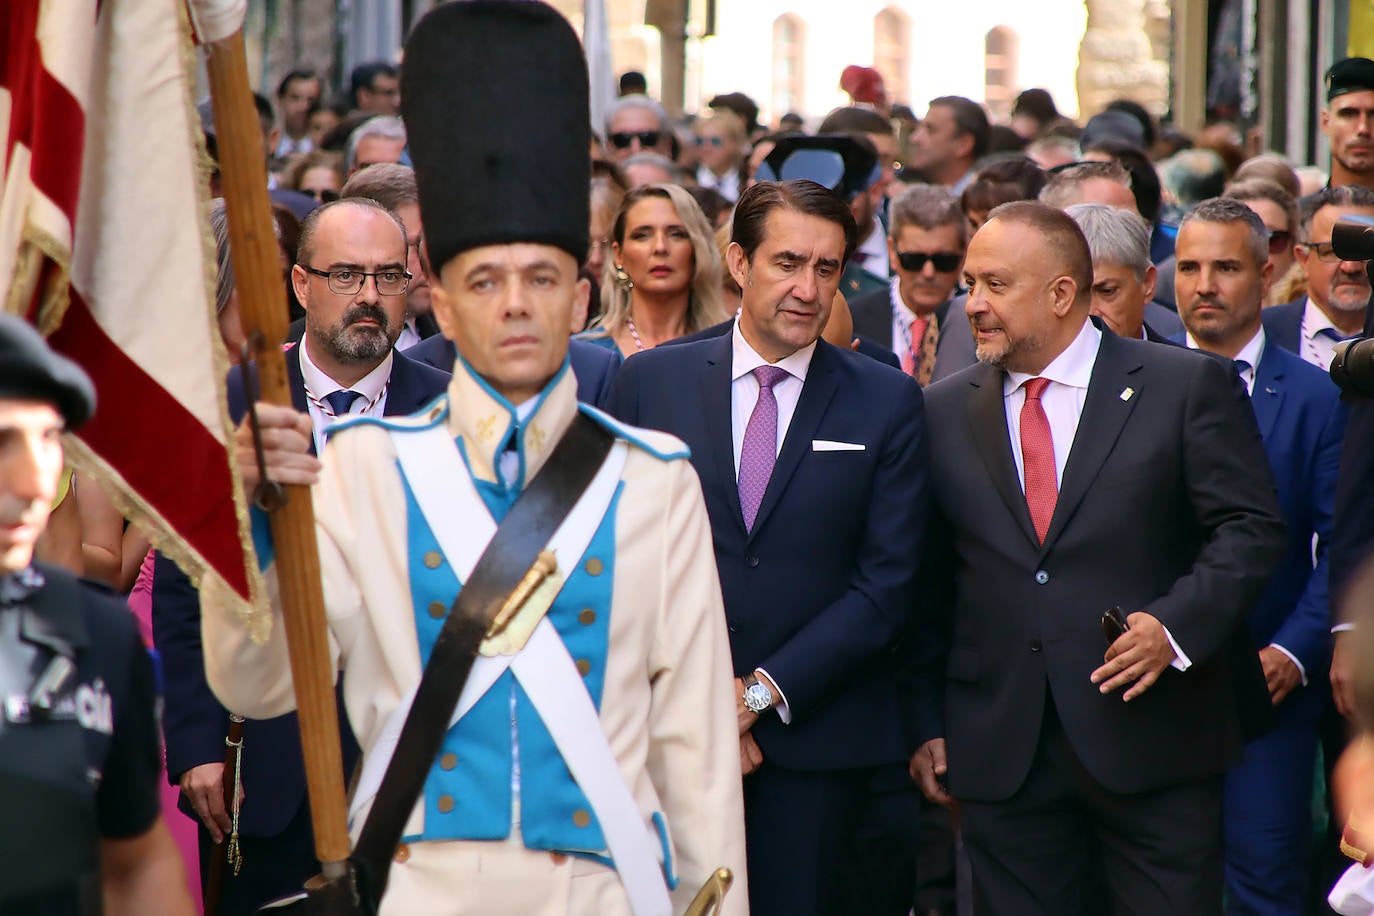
pixel 1221 279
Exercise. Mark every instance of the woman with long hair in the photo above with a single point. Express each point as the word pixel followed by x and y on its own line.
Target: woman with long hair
pixel 662 277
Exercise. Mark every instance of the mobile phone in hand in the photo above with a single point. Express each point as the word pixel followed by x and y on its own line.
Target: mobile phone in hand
pixel 1114 624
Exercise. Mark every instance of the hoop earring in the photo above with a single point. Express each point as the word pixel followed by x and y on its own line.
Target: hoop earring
pixel 622 279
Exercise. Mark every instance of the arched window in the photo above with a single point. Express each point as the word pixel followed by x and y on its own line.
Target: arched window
pixel 892 51
pixel 789 64
pixel 999 67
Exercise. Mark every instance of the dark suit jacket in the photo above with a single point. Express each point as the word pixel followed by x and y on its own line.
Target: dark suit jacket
pixel 1302 421
pixel 867 348
pixel 1167 506
pixel 594 367
pixel 819 592
pixel 1283 324
pixel 954 351
pixel 193 721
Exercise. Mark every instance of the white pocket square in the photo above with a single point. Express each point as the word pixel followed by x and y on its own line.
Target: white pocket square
pixel 827 445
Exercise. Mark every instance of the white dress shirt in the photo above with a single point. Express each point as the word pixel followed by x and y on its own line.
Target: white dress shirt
pixel 744 395
pixel 409 336
pixel 1251 354
pixel 902 319
pixel 1314 346
pixel 726 185
pixel 372 387
pixel 1062 401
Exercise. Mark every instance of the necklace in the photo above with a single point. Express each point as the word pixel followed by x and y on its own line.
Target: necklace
pixel 634 331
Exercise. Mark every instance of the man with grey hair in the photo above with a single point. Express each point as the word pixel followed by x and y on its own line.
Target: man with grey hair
pixel 1333 306
pixel 914 313
pixel 1189 177
pixel 1223 273
pixel 380 139
pixel 636 124
pixel 1123 277
pixel 651 168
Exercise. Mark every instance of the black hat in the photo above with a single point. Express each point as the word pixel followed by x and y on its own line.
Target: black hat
pixel 1349 75
pixel 844 164
pixel 494 97
pixel 30 371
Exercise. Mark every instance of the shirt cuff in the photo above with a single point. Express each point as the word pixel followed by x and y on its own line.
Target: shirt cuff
pixel 1292 658
pixel 1343 628
pixel 780 707
pixel 1181 660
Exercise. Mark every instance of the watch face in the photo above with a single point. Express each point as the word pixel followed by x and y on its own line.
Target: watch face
pixel 758 697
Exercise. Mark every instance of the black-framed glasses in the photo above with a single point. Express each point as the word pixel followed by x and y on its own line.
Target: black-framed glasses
pixel 1324 251
pixel 944 261
pixel 622 139
pixel 323 195
pixel 346 281
pixel 1280 240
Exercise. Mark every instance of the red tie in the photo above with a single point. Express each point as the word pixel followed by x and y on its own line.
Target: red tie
pixel 1037 458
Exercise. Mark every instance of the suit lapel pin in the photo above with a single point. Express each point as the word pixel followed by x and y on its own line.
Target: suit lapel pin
pixel 1127 393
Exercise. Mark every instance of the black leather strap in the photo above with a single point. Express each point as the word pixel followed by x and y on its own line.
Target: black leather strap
pixel 523 533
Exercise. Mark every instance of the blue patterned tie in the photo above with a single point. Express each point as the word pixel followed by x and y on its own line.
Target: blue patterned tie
pixel 340 401
pixel 759 450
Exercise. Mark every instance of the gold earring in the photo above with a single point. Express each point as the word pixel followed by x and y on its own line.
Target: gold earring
pixel 623 279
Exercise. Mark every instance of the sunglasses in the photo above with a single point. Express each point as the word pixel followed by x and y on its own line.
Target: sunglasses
pixel 915 261
pixel 1280 240
pixel 646 138
pixel 323 195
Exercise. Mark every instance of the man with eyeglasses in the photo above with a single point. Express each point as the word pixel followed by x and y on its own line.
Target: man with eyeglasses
pixel 925 249
pixel 1333 308
pixel 351 277
pixel 376 88
pixel 638 124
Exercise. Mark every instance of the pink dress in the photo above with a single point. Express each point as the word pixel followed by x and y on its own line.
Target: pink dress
pixel 182 827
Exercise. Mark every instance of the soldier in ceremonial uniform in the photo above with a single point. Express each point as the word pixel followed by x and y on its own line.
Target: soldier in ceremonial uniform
pixel 514 816
pixel 79 759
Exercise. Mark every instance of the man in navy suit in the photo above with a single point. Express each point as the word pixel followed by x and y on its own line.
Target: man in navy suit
pixel 812 462
pixel 345 364
pixel 1337 291
pixel 1222 276
pixel 594 366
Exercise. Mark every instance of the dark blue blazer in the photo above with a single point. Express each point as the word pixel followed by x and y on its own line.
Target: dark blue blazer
pixel 1302 422
pixel 193 721
pixel 821 590
pixel 1283 324
pixel 594 367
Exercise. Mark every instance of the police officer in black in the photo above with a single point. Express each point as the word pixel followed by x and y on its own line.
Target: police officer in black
pixel 80 823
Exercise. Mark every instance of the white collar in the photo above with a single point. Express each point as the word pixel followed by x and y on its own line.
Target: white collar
pixel 1315 320
pixel 1073 367
pixel 1250 353
pixel 318 384
pixel 745 359
pixel 875 251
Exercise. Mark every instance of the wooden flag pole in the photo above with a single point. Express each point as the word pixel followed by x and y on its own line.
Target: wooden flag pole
pixel 262 298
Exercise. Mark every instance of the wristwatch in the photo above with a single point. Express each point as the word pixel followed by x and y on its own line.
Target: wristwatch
pixel 757 696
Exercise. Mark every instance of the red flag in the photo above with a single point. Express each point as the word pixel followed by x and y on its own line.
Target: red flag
pixel 104 241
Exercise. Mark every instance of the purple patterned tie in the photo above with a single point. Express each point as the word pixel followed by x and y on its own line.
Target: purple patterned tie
pixel 760 447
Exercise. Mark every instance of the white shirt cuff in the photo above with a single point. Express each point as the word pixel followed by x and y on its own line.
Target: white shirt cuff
pixel 1292 658
pixel 1181 660
pixel 780 706
pixel 1343 628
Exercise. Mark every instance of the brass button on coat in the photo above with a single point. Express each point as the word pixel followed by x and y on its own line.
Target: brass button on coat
pixel 581 818
pixel 434 559
pixel 402 853
pixel 437 609
pixel 584 667
pixel 587 617
pixel 594 567
pixel 445 803
pixel 448 761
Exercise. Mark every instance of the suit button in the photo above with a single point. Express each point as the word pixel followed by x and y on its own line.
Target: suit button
pixel 448 761
pixel 1036 645
pixel 402 853
pixel 437 609
pixel 584 667
pixel 751 562
pixel 581 818
pixel 445 804
pixel 433 559
pixel 594 567
pixel 1041 577
pixel 587 617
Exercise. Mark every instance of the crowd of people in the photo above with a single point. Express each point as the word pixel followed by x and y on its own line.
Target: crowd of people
pixel 990 474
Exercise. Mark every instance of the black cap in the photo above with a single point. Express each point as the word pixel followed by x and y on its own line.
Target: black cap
pixel 30 371
pixel 494 96
pixel 844 164
pixel 1349 75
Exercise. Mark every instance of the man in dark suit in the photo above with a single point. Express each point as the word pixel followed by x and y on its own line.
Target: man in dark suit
pixel 1078 472
pixel 1223 274
pixel 1123 277
pixel 925 250
pixel 1337 291
pixel 595 367
pixel 346 364
pixel 812 462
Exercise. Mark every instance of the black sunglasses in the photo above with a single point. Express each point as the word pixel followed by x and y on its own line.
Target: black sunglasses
pixel 323 195
pixel 915 261
pixel 1280 240
pixel 623 139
